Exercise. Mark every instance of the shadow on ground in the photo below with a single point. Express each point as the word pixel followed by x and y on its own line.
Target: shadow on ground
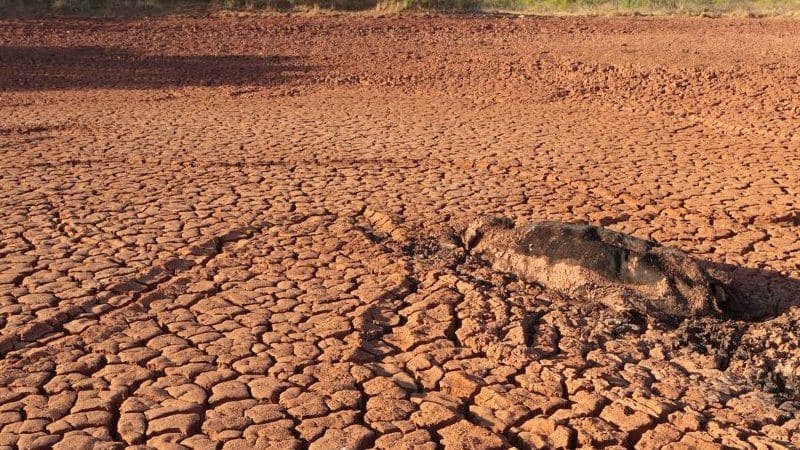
pixel 762 294
pixel 35 68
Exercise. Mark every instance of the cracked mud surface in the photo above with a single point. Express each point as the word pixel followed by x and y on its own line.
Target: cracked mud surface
pixel 238 232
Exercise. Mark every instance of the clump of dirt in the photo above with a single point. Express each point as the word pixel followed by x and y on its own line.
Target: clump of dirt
pixel 590 263
pixel 709 336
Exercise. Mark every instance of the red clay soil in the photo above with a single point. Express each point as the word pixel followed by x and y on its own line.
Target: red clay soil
pixel 236 232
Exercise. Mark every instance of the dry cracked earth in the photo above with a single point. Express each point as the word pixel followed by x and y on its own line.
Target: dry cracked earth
pixel 242 232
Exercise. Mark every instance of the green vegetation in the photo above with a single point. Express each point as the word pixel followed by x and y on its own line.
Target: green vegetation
pixel 118 7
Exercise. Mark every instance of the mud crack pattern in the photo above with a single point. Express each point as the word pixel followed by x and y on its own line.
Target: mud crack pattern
pixel 223 233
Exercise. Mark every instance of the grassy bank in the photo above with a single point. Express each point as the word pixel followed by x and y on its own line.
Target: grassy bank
pixel 588 7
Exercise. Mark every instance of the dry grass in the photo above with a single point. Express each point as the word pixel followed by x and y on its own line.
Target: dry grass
pixel 757 8
pixel 655 7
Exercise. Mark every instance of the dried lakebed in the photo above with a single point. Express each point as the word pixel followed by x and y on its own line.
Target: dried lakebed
pixel 247 231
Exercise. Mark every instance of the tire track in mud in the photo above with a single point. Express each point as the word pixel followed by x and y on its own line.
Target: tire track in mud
pixel 463 286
